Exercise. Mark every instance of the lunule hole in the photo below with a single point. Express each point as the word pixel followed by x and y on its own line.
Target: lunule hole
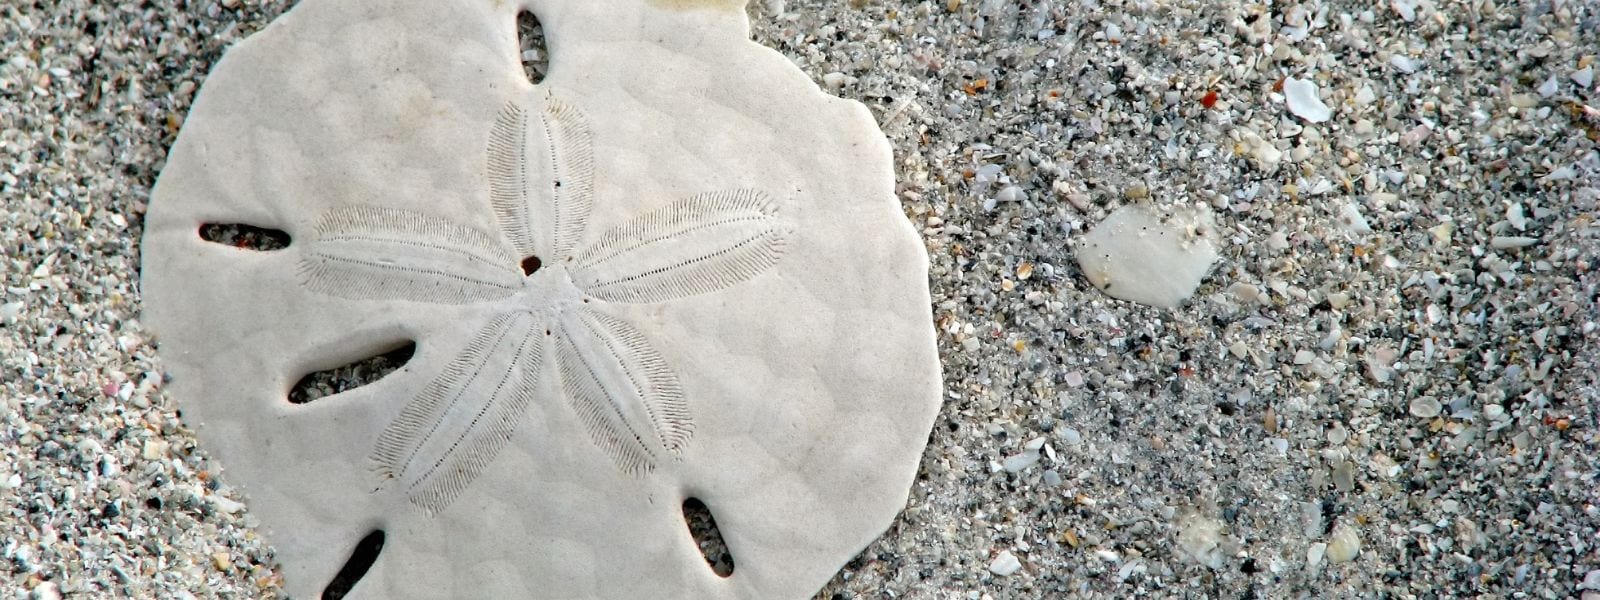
pixel 530 264
pixel 531 47
pixel 703 528
pixel 321 384
pixel 361 559
pixel 245 237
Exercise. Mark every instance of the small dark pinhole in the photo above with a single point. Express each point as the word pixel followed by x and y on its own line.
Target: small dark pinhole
pixel 531 264
pixel 245 237
pixel 531 47
pixel 361 559
pixel 321 384
pixel 703 528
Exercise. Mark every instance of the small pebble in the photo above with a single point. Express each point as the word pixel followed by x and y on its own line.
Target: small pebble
pixel 1005 564
pixel 1405 63
pixel 1148 257
pixel 1524 100
pixel 1071 437
pixel 1407 9
pixel 1314 555
pixel 1344 474
pixel 9 312
pixel 1304 357
pixel 1011 193
pixel 226 505
pixel 1303 101
pixel 1426 407
pixel 1052 478
pixel 1073 378
pixel 1344 545
pixel 1200 538
pixel 1504 242
pixel 1549 87
pixel 1020 462
pixel 47 590
pixel 1591 580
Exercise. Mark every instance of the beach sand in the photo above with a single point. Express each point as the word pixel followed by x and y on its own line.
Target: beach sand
pixel 1386 386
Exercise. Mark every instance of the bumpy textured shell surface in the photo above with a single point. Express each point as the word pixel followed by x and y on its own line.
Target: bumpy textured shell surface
pixel 671 269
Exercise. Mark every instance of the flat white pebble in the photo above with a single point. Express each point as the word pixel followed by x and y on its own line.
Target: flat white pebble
pixel 1502 242
pixel 1140 255
pixel 1404 63
pixel 1407 9
pixel 1071 437
pixel 225 504
pixel 10 311
pixel 1315 554
pixel 45 591
pixel 1344 545
pixel 1021 461
pixel 1011 194
pixel 1200 538
pixel 1005 564
pixel 1052 478
pixel 1425 407
pixel 1549 87
pixel 1301 95
pixel 1591 580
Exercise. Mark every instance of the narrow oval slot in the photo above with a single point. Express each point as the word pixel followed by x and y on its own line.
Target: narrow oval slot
pixel 245 237
pixel 321 384
pixel 531 49
pixel 707 537
pixel 361 559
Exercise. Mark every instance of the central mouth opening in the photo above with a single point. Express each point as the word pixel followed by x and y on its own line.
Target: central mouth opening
pixel 546 286
pixel 531 264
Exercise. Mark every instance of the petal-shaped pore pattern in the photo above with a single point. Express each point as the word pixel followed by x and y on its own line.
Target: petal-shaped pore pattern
pixel 508 176
pixel 541 177
pixel 622 390
pixel 446 436
pixel 700 244
pixel 373 253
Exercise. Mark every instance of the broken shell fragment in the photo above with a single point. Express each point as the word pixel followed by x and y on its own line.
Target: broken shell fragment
pixel 1150 257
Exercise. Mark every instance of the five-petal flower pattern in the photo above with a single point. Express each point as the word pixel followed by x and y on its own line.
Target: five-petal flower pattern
pixel 549 295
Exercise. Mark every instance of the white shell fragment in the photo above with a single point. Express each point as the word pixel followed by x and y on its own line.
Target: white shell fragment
pixel 1503 242
pixel 671 270
pixel 1301 95
pixel 1149 257
pixel 1005 564
pixel 1550 86
pixel 1266 155
pixel 1407 9
pixel 1406 64
pixel 1351 219
pixel 1201 538
pixel 1345 545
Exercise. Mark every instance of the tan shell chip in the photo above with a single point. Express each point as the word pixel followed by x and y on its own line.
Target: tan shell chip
pixel 673 272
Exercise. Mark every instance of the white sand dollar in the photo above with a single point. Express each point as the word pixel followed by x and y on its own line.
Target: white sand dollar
pixel 673 269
